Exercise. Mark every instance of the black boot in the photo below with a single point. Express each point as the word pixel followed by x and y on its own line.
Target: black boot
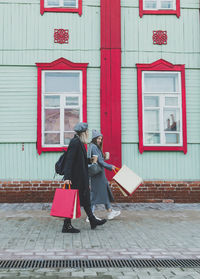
pixel 95 222
pixel 68 228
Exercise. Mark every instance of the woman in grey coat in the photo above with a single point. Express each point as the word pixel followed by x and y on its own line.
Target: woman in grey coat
pixel 100 190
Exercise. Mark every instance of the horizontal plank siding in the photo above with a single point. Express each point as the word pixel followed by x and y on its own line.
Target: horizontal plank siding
pixel 183 45
pixel 163 165
pixel 129 105
pixel 28 37
pixel 27 164
pixel 93 98
pixel 16 164
pixel 185 4
pixel 18 102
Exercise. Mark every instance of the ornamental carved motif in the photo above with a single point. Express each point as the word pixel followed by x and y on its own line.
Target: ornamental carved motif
pixel 159 37
pixel 61 36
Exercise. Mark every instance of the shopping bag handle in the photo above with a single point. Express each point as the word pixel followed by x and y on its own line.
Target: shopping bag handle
pixel 116 169
pixel 69 187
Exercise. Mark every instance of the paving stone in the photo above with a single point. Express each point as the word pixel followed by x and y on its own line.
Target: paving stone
pixel 27 231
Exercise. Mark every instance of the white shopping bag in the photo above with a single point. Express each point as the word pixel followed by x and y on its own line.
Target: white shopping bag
pixel 127 180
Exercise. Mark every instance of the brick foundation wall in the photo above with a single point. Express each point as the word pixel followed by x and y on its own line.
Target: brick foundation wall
pixel 149 191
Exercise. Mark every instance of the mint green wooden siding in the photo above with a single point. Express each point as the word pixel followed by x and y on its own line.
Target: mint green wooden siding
pixel 18 102
pixel 183 38
pixel 129 105
pixel 163 165
pixel 183 47
pixel 28 165
pixel 27 38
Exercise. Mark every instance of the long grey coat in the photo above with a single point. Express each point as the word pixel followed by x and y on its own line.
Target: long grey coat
pixel 100 190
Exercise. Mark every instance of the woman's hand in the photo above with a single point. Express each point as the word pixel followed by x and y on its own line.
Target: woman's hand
pixel 94 159
pixel 113 168
pixel 67 182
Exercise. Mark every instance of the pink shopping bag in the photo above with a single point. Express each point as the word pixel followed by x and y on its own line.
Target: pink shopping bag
pixel 66 203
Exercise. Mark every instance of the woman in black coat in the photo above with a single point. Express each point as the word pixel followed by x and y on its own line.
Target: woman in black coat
pixel 76 174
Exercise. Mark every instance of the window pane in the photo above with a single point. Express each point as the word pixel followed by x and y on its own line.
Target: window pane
pixel 52 101
pixel 62 82
pixel 162 83
pixel 151 101
pixel 70 3
pixel 167 4
pixel 172 138
pixel 71 118
pixel 52 138
pixel 72 101
pixel 68 137
pixel 151 118
pixel 150 4
pixel 152 138
pixel 171 119
pixel 52 119
pixel 54 3
pixel 171 101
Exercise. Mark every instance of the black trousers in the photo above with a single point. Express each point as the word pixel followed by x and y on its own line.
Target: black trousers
pixel 88 211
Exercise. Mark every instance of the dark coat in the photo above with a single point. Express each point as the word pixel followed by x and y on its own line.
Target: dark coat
pixel 100 189
pixel 76 169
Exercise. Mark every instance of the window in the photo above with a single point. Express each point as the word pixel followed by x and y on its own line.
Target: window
pixel 70 6
pixel 159 7
pixel 161 106
pixel 61 102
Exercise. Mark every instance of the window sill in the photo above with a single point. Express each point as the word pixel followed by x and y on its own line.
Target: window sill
pixel 162 148
pixel 159 12
pixel 61 10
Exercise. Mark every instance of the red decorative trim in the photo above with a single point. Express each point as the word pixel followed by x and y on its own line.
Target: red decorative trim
pixel 61 10
pixel 59 64
pixel 161 65
pixel 159 12
pixel 159 37
pixel 111 79
pixel 61 36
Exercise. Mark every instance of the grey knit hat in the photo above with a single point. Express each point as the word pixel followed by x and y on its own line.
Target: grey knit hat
pixel 96 134
pixel 81 127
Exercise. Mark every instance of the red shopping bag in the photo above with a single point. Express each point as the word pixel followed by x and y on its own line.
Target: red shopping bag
pixel 66 203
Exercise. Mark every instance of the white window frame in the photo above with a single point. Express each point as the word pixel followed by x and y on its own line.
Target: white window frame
pixel 61 5
pixel 159 6
pixel 63 106
pixel 162 96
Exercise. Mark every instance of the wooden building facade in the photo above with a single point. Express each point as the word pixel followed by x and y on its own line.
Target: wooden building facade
pixel 130 68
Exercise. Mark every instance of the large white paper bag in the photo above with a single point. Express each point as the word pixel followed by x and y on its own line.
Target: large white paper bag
pixel 127 180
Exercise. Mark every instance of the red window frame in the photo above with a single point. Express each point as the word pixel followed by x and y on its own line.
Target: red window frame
pixel 59 64
pixel 61 10
pixel 159 12
pixel 161 65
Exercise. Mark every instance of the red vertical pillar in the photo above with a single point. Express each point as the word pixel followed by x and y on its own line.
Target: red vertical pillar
pixel 110 91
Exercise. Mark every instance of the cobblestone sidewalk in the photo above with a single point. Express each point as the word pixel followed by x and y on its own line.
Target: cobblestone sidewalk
pixel 141 231
pixel 126 273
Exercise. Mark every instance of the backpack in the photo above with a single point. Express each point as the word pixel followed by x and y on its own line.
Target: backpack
pixel 60 164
